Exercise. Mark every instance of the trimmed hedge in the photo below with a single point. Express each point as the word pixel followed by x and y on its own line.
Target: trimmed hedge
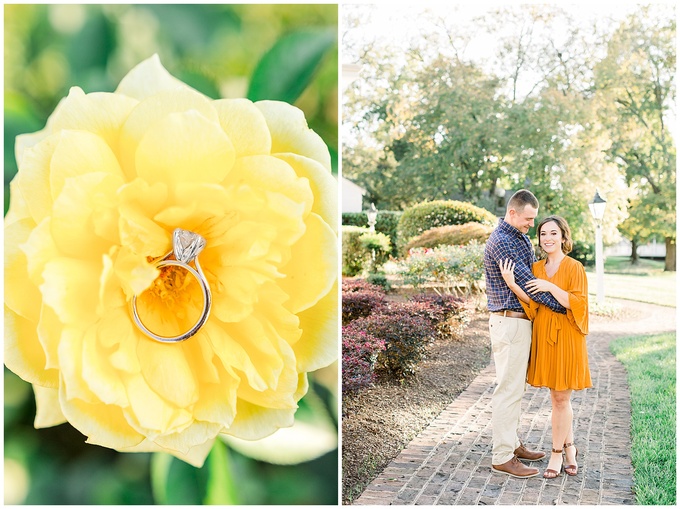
pixel 452 235
pixel 386 223
pixel 424 216
pixel 353 254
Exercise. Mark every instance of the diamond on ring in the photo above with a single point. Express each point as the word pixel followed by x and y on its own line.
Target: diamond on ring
pixel 186 246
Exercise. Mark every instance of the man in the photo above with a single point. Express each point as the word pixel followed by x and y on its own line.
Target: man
pixel 510 331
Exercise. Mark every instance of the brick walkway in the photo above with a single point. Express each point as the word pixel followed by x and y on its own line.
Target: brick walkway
pixel 449 463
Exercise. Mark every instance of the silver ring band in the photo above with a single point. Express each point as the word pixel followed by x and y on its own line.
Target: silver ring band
pixel 186 247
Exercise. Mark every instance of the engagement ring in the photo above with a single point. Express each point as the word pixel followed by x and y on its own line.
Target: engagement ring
pixel 186 247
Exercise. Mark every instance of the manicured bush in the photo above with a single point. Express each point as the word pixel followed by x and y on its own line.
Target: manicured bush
pixel 584 253
pixel 423 216
pixel 379 279
pixel 449 266
pixel 448 312
pixel 354 256
pixel 378 247
pixel 359 354
pixel 359 285
pixel 386 223
pixel 359 304
pixel 406 337
pixel 451 235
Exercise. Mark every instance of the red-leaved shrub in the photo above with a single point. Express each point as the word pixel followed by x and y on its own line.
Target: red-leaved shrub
pixel 360 304
pixel 359 353
pixel 448 312
pixel 359 285
pixel 405 335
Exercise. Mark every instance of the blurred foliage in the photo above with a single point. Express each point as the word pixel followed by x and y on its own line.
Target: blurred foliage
pixel 283 52
pixel 60 468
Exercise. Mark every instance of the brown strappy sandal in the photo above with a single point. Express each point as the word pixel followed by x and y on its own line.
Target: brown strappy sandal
pixel 571 469
pixel 552 474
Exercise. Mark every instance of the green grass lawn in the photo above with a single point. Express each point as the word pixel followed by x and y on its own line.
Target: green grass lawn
pixel 644 282
pixel 650 362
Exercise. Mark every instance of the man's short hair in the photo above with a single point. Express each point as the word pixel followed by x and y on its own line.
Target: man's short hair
pixel 521 199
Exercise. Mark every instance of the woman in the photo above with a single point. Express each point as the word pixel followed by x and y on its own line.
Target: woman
pixel 559 359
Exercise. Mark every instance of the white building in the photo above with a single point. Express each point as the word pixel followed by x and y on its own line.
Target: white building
pixel 352 196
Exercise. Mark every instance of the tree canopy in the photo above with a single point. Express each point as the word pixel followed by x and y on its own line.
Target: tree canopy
pixel 561 108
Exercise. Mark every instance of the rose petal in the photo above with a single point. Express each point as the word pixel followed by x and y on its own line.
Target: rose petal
pixel 148 78
pixel 184 147
pixel 245 125
pixel 318 346
pixel 195 456
pixel 151 112
pixel 290 132
pixel 69 287
pixel 18 208
pixel 74 212
pixel 80 153
pixel 49 334
pixel 48 410
pixel 102 424
pixel 33 178
pixel 21 296
pixel 134 273
pixel 70 352
pixel 233 355
pixel 254 422
pixel 99 113
pixel 103 379
pixel 39 248
pixel 23 353
pixel 197 434
pixel 323 185
pixel 312 269
pixel 149 414
pixel 167 372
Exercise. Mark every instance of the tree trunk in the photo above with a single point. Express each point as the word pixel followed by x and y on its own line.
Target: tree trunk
pixel 670 254
pixel 633 253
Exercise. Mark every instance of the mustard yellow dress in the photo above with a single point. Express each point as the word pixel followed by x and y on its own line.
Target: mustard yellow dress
pixel 559 358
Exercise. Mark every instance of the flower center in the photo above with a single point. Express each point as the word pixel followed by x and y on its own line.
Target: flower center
pixel 171 286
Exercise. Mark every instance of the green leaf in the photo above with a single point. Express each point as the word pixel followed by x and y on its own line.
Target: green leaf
pixel 221 488
pixel 175 482
pixel 287 68
pixel 160 468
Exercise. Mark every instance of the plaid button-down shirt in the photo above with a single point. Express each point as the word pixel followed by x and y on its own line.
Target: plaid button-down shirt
pixel 506 241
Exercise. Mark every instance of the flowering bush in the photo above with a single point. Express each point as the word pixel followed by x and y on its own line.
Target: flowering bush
pixel 449 266
pixel 99 191
pixel 359 353
pixel 359 304
pixel 406 337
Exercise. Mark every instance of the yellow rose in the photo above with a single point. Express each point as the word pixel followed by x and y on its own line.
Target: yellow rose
pixel 98 194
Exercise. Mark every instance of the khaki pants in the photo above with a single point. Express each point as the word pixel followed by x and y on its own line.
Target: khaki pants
pixel 511 344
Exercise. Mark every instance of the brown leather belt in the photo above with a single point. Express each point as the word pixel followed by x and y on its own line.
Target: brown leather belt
pixel 510 314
